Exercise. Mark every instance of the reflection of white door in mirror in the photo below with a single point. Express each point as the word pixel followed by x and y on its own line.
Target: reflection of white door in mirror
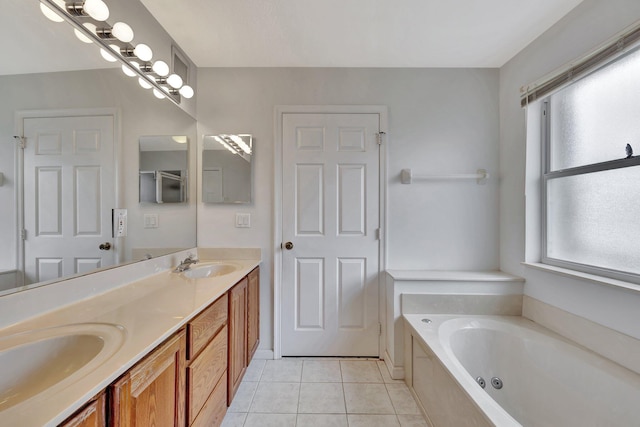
pixel 212 185
pixel 69 191
pixel 226 168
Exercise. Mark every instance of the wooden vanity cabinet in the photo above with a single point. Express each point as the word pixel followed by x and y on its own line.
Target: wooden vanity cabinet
pixel 153 391
pixel 207 336
pixel 253 313
pixel 91 415
pixel 237 337
pixel 191 378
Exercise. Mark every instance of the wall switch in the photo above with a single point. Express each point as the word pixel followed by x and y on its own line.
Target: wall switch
pixel 119 217
pixel 151 221
pixel 243 220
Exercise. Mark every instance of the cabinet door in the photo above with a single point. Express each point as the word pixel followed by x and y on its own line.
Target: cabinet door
pixel 204 373
pixel 152 393
pixel 92 415
pixel 253 313
pixel 237 337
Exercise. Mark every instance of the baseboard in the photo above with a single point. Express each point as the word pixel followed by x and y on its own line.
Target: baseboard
pixel 396 372
pixel 263 354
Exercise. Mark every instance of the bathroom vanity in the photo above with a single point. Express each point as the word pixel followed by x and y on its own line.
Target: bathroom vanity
pixel 184 342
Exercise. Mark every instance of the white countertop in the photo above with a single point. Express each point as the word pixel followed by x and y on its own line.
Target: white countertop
pixel 150 310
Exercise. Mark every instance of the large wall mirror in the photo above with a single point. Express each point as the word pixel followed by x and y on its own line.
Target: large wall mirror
pixel 226 168
pixel 60 95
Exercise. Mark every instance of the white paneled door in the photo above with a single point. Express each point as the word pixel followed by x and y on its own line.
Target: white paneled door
pixel 69 191
pixel 330 222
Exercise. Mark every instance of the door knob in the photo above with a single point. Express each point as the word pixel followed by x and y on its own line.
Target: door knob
pixel 105 246
pixel 288 246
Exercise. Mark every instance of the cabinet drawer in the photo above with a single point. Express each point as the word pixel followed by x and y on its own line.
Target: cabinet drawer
pixel 201 329
pixel 92 415
pixel 205 372
pixel 214 408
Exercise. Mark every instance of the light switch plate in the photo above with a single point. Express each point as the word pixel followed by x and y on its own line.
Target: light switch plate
pixel 243 220
pixel 151 221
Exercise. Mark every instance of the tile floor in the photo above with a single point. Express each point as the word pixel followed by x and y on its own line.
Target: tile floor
pixel 319 392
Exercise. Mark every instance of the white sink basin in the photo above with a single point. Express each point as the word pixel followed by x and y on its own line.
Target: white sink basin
pixel 210 269
pixel 44 361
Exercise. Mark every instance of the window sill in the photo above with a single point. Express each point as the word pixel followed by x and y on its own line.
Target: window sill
pixel 593 278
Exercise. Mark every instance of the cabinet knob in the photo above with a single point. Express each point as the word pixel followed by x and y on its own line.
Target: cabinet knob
pixel 288 246
pixel 105 246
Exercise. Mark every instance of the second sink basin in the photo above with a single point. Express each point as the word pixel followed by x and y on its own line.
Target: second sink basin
pixel 46 360
pixel 210 269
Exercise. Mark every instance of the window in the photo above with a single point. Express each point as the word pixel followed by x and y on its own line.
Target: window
pixel 590 186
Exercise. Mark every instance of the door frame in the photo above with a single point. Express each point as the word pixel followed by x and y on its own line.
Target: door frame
pixel 19 119
pixel 279 111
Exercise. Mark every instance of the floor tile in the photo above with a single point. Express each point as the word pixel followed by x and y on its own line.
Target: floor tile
pixel 282 370
pixel 270 420
pixel 412 421
pixel 244 395
pixel 254 370
pixel 234 419
pixel 321 371
pixel 321 398
pixel 373 421
pixel 322 420
pixel 319 392
pixel 357 371
pixel 276 397
pixel 367 399
pixel 402 399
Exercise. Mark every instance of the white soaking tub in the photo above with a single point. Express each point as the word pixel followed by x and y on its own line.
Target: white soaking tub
pixel 546 379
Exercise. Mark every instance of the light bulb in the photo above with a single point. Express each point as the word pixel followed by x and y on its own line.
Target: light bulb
pixel 143 83
pixel 160 68
pixel 128 71
pixel 180 139
pixel 96 9
pixel 143 52
pixel 50 14
pixel 107 56
pixel 175 81
pixel 158 94
pixel 122 32
pixel 83 38
pixel 186 91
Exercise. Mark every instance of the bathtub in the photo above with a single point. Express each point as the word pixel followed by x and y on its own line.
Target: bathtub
pixel 546 380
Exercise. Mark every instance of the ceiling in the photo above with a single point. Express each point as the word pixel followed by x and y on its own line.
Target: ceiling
pixel 301 33
pixel 356 33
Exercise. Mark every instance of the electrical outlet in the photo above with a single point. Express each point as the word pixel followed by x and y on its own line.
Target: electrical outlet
pixel 119 222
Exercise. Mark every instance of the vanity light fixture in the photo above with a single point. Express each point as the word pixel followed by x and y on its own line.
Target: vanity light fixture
pixel 88 18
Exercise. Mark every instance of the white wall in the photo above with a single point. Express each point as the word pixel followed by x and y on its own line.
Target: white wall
pixel 140 113
pixel 587 26
pixel 440 121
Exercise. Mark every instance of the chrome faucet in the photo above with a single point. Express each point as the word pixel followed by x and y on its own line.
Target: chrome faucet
pixel 186 264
